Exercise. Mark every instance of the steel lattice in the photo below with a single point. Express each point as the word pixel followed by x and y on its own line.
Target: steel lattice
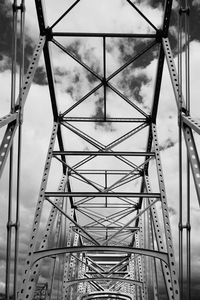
pixel 108 233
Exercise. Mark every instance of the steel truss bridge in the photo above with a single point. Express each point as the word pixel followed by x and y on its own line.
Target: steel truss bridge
pixel 108 232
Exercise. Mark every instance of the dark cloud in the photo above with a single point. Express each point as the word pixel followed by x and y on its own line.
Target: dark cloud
pixel 99 114
pixel 194 24
pixel 74 48
pixel 86 56
pixel 172 211
pixel 132 84
pixel 128 81
pixel 155 3
pixel 129 47
pixel 167 144
pixel 40 76
pixel 6 29
pixel 6 36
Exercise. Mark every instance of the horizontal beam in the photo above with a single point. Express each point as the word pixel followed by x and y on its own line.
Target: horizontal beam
pixel 102 194
pixel 192 123
pixel 98 153
pixel 101 228
pixel 118 279
pixel 8 119
pixel 103 34
pixel 109 120
pixel 98 250
pixel 107 273
pixel 106 295
pixel 103 205
pixel 108 172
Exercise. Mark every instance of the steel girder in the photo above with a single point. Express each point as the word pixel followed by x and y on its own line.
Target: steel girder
pixel 12 119
pixel 97 260
pixel 187 123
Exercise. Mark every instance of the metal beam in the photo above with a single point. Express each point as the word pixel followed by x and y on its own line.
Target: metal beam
pixel 166 221
pixel 159 239
pixel 131 221
pixel 108 120
pixel 191 123
pixel 173 75
pixel 6 144
pixel 12 125
pixel 103 34
pixel 108 295
pixel 30 73
pixel 118 279
pixel 102 194
pixel 74 222
pixel 5 120
pixel 193 157
pixel 98 249
pixel 186 122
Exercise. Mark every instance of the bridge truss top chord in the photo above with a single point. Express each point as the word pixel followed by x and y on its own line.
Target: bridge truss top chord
pixel 108 233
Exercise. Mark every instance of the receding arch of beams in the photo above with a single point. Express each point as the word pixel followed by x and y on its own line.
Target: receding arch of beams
pixel 80 280
pixel 109 294
pixel 98 249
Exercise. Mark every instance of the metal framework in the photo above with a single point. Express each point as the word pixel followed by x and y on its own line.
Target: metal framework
pixel 109 230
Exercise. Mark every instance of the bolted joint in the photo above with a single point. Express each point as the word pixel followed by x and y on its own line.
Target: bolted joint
pixel 48 33
pixel 10 224
pixel 143 172
pixel 60 118
pixel 16 7
pixel 17 225
pixel 180 120
pixel 188 226
pixel 180 227
pixel 104 81
pixel 183 109
pixel 159 35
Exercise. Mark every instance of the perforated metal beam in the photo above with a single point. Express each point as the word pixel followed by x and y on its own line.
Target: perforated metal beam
pixel 168 235
pixel 186 122
pixel 25 292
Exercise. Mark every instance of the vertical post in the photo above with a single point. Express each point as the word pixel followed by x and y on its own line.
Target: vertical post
pixel 106 186
pixel 12 109
pixel 21 78
pixel 183 40
pixel 104 76
pixel 166 222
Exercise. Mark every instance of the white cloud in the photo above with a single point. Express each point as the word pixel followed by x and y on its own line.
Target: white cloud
pixel 2 287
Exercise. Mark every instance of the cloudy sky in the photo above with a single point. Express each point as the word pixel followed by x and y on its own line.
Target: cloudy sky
pixel 73 82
